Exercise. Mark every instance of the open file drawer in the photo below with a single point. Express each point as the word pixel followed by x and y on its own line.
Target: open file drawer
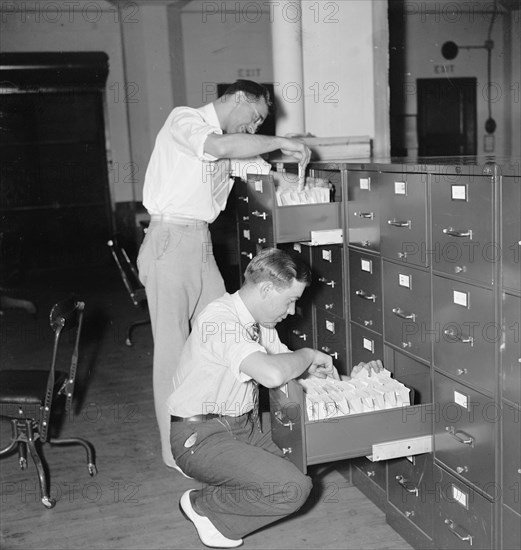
pixel 388 433
pixel 271 223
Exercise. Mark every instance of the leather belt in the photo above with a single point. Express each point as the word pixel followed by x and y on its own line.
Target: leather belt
pixel 195 418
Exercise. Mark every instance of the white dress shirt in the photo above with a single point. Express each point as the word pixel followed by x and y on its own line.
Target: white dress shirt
pixel 209 379
pixel 181 179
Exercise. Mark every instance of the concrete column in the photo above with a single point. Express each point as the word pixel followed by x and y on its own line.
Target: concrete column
pixel 286 32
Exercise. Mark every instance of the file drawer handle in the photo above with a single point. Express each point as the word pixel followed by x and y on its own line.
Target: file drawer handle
pixel 278 417
pixel 259 214
pixel 328 283
pixel 365 215
pixel 299 334
pixel 458 232
pixel 407 485
pixel 247 254
pixel 466 537
pixel 463 339
pixel 362 294
pixel 246 218
pixel 398 311
pixel 460 436
pixel 327 350
pixel 261 240
pixel 244 199
pixel 400 223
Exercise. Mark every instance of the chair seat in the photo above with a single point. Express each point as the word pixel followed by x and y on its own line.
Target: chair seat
pixel 26 387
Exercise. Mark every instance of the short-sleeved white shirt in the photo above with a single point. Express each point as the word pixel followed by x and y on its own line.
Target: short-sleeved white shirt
pixel 208 378
pixel 181 179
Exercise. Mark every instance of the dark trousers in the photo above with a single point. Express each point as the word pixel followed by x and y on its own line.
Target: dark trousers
pixel 247 484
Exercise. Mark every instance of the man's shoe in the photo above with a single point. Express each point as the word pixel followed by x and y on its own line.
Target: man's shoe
pixel 206 530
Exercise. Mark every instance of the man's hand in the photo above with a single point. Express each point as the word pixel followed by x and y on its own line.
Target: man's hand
pixel 297 149
pixel 322 366
pixel 375 366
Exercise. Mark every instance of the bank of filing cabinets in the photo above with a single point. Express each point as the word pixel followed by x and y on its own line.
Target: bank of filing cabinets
pixel 429 275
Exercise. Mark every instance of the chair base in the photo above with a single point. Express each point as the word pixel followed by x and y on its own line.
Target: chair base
pixel 131 328
pixel 24 437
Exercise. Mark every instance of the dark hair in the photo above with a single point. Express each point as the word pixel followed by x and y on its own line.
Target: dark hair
pixel 253 90
pixel 277 266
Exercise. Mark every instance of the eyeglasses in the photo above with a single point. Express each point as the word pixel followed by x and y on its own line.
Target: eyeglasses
pixel 258 121
pixel 259 118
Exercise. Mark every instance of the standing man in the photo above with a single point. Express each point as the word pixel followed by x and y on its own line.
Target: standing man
pixel 187 184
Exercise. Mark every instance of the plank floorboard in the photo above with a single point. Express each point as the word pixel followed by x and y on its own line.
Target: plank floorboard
pixel 133 501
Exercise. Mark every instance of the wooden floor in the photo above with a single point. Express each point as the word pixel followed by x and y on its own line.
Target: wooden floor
pixel 133 501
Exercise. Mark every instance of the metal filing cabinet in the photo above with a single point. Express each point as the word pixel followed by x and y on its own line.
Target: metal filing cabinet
pixel 510 357
pixel 465 332
pixel 363 206
pixel 434 287
pixel 462 224
pixel 464 433
pixel 510 249
pixel 246 247
pixel 365 284
pixel 403 214
pixel 407 308
pixel 297 331
pixel 463 518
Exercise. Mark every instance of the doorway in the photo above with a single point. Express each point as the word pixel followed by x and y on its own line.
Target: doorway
pixel 446 116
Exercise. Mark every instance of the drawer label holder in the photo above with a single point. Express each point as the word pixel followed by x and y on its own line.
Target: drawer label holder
pixel 401 447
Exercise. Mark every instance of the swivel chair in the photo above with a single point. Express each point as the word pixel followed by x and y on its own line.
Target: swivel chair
pixel 130 278
pixel 28 396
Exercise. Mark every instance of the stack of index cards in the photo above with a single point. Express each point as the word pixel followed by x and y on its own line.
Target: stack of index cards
pixel 328 398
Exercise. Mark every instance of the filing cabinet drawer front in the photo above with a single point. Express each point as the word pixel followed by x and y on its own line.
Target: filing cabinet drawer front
pixel 403 215
pixel 328 273
pixel 465 331
pixel 511 352
pixel 407 308
pixel 261 228
pixel 298 250
pixel 363 210
pixel 365 290
pixel 271 223
pixel 464 432
pixel 287 423
pixel 365 345
pixel 338 438
pixel 354 435
pixel 298 329
pixel 375 471
pixel 295 223
pixel 240 191
pixel 511 235
pixel 463 518
pixel 415 375
pixel 331 338
pixel 511 428
pixel 262 202
pixel 411 489
pixel 511 529
pixel 462 226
